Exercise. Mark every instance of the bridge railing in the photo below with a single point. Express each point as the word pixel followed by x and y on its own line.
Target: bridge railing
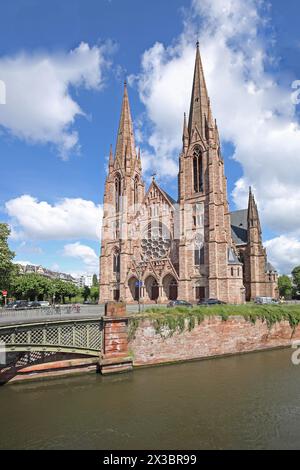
pixel 83 336
pixel 62 311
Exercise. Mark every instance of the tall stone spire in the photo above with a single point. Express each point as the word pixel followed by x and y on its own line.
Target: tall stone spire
pixel 125 140
pixel 253 217
pixel 199 101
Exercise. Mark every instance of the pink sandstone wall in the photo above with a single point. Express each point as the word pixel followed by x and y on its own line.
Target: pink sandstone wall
pixel 213 337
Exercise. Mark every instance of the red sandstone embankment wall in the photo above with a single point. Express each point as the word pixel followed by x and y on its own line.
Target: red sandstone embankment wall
pixel 213 337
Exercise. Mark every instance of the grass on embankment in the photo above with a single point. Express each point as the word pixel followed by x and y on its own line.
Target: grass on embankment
pixel 178 319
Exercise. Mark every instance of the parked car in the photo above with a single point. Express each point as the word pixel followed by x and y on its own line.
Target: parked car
pixel 179 303
pixel 10 305
pixel 211 302
pixel 34 304
pixel 20 304
pixel 44 303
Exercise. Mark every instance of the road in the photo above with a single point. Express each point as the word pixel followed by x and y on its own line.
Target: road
pixel 10 317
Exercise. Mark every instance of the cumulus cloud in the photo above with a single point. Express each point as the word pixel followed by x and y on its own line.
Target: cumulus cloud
pixel 24 263
pixel 67 219
pixel 84 253
pixel 39 107
pixel 284 253
pixel 254 111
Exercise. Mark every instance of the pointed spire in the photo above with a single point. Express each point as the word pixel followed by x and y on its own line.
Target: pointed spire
pixel 185 135
pixel 253 216
pixel 199 100
pixel 139 160
pixel 111 156
pixel 125 133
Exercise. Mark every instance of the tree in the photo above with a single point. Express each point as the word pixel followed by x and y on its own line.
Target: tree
pixel 95 281
pixel 7 268
pixel 60 289
pixel 296 277
pixel 30 287
pixel 95 293
pixel 85 292
pixel 285 286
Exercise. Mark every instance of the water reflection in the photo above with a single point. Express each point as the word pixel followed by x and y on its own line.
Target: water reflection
pixel 249 401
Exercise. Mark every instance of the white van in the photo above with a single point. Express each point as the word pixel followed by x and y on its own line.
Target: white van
pixel 264 300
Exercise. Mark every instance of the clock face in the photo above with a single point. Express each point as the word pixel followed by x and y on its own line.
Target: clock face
pixel 155 247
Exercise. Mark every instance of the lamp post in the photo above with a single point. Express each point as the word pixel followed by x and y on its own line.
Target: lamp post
pixel 138 270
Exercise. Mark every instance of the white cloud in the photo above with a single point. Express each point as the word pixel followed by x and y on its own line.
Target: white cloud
pixel 24 263
pixel 39 107
pixel 284 253
pixel 85 254
pixel 254 112
pixel 67 219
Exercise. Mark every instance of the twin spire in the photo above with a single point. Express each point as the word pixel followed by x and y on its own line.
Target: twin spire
pixel 200 113
pixel 200 117
pixel 125 147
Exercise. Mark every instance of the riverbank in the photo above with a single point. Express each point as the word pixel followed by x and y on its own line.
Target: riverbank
pixel 180 334
pixel 159 336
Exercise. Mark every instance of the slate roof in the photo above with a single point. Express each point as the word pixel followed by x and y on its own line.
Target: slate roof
pixel 270 268
pixel 172 201
pixel 239 226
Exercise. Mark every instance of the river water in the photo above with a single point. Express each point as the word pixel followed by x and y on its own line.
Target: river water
pixel 241 402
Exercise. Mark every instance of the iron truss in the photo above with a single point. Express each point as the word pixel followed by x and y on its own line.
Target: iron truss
pixel 72 336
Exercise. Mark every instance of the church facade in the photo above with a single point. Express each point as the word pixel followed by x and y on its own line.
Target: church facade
pixel 154 248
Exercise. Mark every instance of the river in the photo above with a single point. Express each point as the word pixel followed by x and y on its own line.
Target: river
pixel 240 402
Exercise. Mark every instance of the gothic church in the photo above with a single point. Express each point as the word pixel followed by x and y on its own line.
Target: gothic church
pixel 155 249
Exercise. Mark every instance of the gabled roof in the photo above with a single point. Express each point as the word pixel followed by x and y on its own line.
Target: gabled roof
pixel 172 201
pixel 168 198
pixel 239 226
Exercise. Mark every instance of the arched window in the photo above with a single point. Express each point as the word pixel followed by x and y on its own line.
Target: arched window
pixel 198 169
pixel 199 256
pixel 136 189
pixel 116 263
pixel 118 192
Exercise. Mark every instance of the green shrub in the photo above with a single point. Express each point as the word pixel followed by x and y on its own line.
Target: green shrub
pixel 168 321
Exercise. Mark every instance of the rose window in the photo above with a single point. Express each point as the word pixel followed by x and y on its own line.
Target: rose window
pixel 157 244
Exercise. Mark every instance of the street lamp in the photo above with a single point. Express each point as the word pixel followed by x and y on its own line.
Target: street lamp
pixel 138 269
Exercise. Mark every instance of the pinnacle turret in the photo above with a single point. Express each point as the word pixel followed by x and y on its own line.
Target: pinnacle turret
pixel 253 217
pixel 111 156
pixel 185 134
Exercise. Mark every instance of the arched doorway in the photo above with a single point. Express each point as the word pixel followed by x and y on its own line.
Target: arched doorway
pixel 152 288
pixel 133 285
pixel 170 287
pixel 199 292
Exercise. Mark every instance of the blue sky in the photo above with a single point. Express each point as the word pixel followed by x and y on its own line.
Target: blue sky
pixel 143 41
